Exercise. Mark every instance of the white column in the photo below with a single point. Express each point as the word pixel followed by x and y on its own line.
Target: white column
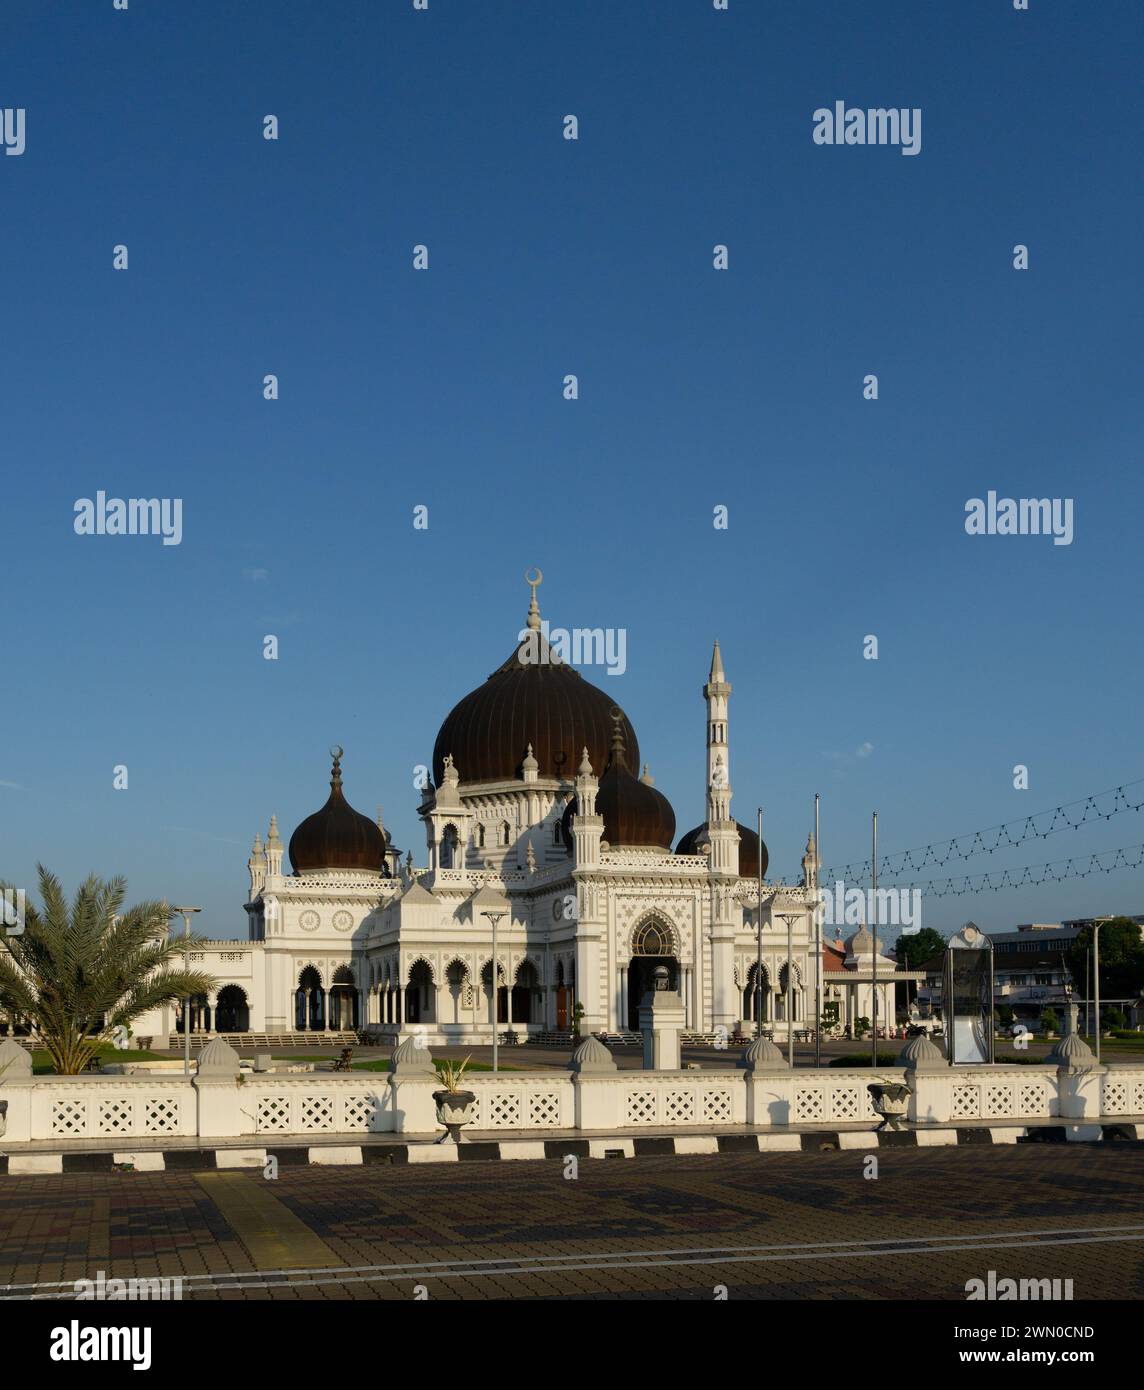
pixel 622 1001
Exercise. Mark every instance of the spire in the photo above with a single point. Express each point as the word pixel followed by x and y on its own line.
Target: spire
pixel 336 770
pixel 256 852
pixel 647 779
pixel 716 664
pixel 619 751
pixel 272 836
pixel 585 765
pixel 533 619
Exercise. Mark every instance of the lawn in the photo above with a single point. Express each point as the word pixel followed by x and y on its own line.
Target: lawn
pixel 382 1064
pixel 42 1061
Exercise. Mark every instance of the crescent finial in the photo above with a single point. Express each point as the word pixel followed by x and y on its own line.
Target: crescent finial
pixel 533 619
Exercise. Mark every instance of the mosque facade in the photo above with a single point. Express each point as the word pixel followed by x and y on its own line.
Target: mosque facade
pixel 538 822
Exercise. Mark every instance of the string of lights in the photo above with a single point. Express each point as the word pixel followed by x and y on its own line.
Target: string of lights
pixel 997 837
pixel 1130 857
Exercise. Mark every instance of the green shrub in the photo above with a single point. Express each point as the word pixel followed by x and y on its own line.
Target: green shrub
pixel 862 1059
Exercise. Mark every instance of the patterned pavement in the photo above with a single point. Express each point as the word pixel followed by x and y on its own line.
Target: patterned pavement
pixel 644 1228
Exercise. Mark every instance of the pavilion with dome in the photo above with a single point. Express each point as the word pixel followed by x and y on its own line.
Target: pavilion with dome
pixel 537 816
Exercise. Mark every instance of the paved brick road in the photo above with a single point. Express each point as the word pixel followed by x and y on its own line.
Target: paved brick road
pixel 215 1224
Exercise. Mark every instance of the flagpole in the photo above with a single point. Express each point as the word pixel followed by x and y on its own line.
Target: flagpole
pixel 874 931
pixel 817 944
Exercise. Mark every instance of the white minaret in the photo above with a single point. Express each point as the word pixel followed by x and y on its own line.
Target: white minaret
pixel 256 864
pixel 273 850
pixel 723 858
pixel 721 828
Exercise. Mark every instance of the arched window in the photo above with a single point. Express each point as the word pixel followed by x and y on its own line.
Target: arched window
pixel 505 833
pixel 651 940
pixel 479 836
pixel 449 847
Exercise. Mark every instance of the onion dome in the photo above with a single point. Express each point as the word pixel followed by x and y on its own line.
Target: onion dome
pixel 337 836
pixel 748 848
pixel 862 943
pixel 635 814
pixel 532 698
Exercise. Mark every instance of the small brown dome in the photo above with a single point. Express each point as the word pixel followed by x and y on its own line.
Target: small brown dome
pixel 748 848
pixel 337 836
pixel 635 814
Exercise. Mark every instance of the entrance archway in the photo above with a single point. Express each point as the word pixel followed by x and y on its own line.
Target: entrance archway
pixel 751 998
pixel 309 1002
pixel 343 1001
pixel 525 993
pixel 652 945
pixel 420 994
pixel 232 1010
pixel 502 992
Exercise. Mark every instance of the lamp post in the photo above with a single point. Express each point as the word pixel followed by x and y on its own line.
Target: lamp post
pixel 759 952
pixel 817 943
pixel 186 913
pixel 790 918
pixel 1098 922
pixel 874 935
pixel 494 918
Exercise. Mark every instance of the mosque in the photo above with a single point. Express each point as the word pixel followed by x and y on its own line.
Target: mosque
pixel 538 821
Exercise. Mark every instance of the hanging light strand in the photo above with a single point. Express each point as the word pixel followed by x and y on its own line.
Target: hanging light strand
pixel 1082 866
pixel 1100 806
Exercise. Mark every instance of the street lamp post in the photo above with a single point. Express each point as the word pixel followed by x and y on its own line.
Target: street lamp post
pixel 1096 926
pixel 759 952
pixel 186 913
pixel 494 918
pixel 790 918
pixel 874 933
pixel 817 943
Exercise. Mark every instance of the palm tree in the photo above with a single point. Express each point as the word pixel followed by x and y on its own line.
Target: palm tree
pixel 80 972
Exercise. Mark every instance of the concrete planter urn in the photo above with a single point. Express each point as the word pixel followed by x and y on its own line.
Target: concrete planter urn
pixel 892 1101
pixel 454 1103
pixel 454 1109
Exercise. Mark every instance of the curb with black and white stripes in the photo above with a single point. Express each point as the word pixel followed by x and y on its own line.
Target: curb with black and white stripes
pixel 628 1146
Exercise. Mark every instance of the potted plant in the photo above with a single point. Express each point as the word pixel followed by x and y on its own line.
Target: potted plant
pixel 1050 1022
pixel 891 1099
pixel 577 1015
pixel 454 1104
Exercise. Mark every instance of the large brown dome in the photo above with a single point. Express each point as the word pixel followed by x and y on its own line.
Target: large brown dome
pixel 748 848
pixel 545 703
pixel 337 836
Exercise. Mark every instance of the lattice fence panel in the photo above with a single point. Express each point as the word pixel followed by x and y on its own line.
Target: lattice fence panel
pixel 809 1105
pixel 544 1110
pixel 69 1117
pixel 359 1112
pixel 641 1108
pixel 317 1112
pixel 116 1116
pixel 717 1107
pixel 998 1102
pixel 679 1107
pixel 1115 1098
pixel 966 1103
pixel 502 1110
pixel 273 1114
pixel 1032 1099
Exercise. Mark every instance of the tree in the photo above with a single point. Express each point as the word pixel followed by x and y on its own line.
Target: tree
pixel 914 951
pixel 1121 959
pixel 80 972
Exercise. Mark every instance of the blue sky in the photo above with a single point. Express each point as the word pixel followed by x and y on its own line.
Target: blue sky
pixel 444 388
